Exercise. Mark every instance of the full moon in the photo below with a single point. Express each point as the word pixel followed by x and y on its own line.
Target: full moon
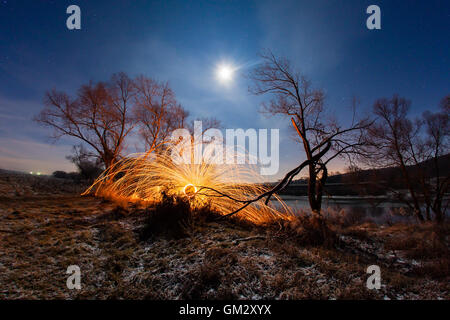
pixel 225 73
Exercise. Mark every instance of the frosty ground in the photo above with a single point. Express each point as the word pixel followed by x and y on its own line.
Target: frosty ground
pixel 45 226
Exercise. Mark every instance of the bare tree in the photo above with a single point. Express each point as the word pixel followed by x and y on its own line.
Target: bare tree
pixel 99 115
pixel 293 96
pixel 415 147
pixel 89 165
pixel 436 145
pixel 157 112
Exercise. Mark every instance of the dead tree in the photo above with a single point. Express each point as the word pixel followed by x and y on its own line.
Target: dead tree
pixel 99 115
pixel 293 96
pixel 278 187
pixel 415 147
pixel 436 144
pixel 157 112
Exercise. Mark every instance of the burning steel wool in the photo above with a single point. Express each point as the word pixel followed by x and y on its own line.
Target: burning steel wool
pixel 225 187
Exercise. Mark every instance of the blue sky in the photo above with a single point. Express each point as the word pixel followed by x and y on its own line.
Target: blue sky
pixel 183 41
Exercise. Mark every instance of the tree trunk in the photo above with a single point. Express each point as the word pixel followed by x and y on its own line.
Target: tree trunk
pixel 312 181
pixel 417 210
pixel 108 159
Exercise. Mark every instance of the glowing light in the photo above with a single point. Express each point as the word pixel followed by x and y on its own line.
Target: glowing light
pixel 145 178
pixel 225 73
pixel 190 190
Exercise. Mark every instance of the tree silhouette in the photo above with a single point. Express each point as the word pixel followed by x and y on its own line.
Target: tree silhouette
pixel 414 146
pixel 99 115
pixel 293 96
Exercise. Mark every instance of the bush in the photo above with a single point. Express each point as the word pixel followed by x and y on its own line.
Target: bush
pixel 60 174
pixel 345 218
pixel 89 166
pixel 173 218
pixel 74 176
pixel 170 219
pixel 428 243
pixel 308 230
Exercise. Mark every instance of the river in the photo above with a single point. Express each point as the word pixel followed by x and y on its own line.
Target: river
pixel 378 210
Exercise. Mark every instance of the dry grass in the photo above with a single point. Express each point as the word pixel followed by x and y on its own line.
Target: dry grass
pixel 215 259
pixel 305 230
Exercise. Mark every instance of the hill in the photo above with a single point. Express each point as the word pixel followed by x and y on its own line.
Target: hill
pixel 355 182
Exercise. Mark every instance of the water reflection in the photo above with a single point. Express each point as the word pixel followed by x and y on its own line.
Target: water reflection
pixel 356 209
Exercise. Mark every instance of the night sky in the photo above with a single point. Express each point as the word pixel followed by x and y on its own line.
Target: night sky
pixel 182 42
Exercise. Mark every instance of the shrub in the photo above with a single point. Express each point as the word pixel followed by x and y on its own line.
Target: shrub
pixel 170 219
pixel 174 218
pixel 67 176
pixel 345 218
pixel 428 243
pixel 308 230
pixel 60 174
